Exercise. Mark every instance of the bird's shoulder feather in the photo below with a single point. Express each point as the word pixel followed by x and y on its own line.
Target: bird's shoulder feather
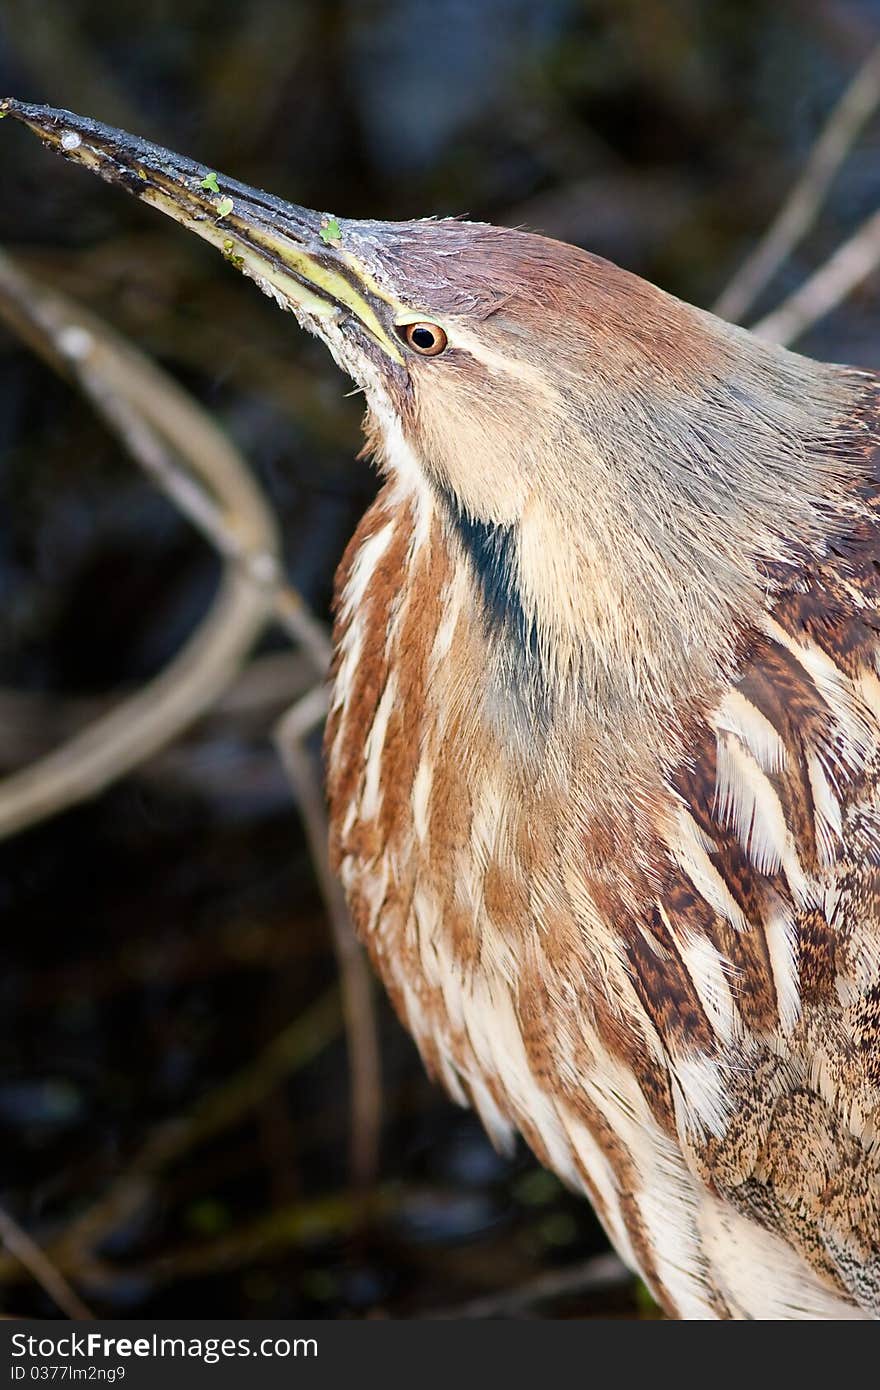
pixel 768 910
pixel 680 1010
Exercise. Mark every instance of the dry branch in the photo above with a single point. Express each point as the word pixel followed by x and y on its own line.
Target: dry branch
pixel 135 397
pixel 72 1250
pixel 36 1262
pixel 798 213
pixel 199 469
pixel 362 1034
pixel 597 1274
pixel 331 1217
pixel 173 438
pixel 32 722
pixel 827 287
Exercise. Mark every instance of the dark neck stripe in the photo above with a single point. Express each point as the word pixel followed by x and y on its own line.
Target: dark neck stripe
pixel 491 550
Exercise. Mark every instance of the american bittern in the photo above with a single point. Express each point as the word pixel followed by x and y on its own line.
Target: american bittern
pixel 604 748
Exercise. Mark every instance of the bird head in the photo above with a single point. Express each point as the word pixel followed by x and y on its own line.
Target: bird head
pixel 614 465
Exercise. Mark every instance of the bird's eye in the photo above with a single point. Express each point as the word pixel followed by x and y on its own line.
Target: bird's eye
pixel 427 339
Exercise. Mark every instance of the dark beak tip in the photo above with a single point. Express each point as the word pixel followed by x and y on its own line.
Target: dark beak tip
pixel 132 155
pixel 42 119
pixel 26 110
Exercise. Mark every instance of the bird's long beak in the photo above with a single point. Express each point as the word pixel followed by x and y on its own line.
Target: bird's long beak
pixel 297 256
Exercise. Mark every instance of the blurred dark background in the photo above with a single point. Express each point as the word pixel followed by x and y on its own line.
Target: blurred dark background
pixel 158 939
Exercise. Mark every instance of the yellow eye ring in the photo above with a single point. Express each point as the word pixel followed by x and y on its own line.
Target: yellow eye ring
pixel 427 339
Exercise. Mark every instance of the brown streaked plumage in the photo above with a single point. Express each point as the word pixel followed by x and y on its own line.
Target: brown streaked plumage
pixel 603 755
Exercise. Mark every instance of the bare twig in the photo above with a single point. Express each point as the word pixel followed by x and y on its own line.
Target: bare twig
pixel 205 477
pixel 73 1248
pixel 132 395
pixel 269 1235
pixel 597 1274
pixel 32 722
pixel 51 1280
pixel 358 1003
pixel 202 472
pixel 195 463
pixel 827 287
pixel 847 120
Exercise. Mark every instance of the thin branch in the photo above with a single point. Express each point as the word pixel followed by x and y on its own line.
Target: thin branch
pixel 73 1248
pixel 798 213
pixel 136 729
pixel 358 1001
pixel 192 459
pixel 827 287
pixel 51 1280
pixel 202 472
pixel 597 1274
pixel 267 1236
pixel 214 489
pixel 33 722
